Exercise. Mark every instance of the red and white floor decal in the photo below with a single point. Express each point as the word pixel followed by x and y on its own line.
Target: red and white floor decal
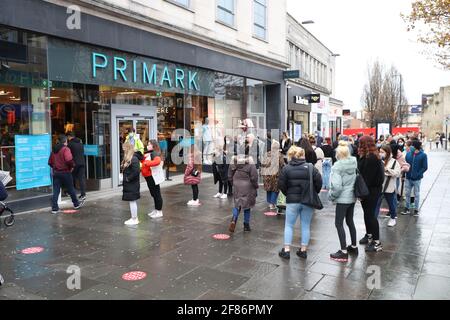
pixel 221 236
pixel 134 276
pixel 32 250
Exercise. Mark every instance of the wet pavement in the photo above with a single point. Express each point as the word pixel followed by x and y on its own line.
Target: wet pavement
pixel 182 260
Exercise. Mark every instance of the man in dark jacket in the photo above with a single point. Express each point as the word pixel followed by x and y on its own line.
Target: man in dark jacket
pixel 79 172
pixel 418 161
pixel 61 161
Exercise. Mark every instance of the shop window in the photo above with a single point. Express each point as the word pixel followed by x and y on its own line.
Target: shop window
pixel 225 12
pixel 260 19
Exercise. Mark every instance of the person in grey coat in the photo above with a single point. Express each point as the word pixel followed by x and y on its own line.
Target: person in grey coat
pixel 343 176
pixel 244 177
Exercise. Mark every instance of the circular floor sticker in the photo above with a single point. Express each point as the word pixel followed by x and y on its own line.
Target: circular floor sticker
pixel 32 250
pixel 270 214
pixel 221 236
pixel 384 210
pixel 134 276
pixel 70 211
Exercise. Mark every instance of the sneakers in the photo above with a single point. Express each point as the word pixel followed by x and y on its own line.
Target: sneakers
pixel 80 204
pixel 302 254
pixel 2 281
pixel 247 227
pixel 365 240
pixel 158 214
pixel 406 212
pixel 416 213
pixel 339 256
pixel 272 207
pixel 232 226
pixel 223 196
pixel 82 198
pixel 151 214
pixel 55 211
pixel 132 222
pixel 189 203
pixel 194 203
pixel 392 222
pixel 284 254
pixel 374 247
pixel 218 195
pixel 352 251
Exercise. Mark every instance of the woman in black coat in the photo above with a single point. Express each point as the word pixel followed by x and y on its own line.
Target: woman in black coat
pixel 372 170
pixel 131 182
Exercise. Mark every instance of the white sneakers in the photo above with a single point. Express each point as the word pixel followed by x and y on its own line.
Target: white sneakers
pixel 132 222
pixel 223 196
pixel 218 195
pixel 392 222
pixel 194 203
pixel 158 214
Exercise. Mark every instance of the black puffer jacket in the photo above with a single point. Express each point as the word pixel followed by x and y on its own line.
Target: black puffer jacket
pixel 76 147
pixel 372 170
pixel 131 182
pixel 294 182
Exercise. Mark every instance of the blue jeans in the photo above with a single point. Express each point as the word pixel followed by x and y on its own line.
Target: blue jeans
pixel 237 211
pixel 272 197
pixel 63 180
pixel 293 210
pixel 326 171
pixel 416 185
pixel 391 199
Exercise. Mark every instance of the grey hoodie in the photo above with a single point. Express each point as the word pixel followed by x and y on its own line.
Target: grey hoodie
pixel 343 176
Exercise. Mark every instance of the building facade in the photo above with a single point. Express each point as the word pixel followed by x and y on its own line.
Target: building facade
pixel 105 67
pixel 316 64
pixel 436 108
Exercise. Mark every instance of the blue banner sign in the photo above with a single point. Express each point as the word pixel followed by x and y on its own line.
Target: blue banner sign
pixel 32 153
pixel 91 150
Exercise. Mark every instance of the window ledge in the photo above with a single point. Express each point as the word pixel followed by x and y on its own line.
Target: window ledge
pixel 180 5
pixel 226 25
pixel 260 39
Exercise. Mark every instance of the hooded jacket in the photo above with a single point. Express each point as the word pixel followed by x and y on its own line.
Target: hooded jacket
pixel 131 181
pixel 61 160
pixel 244 176
pixel 76 147
pixel 418 163
pixel 343 176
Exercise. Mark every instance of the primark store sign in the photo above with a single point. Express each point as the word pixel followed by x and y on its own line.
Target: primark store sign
pixel 78 63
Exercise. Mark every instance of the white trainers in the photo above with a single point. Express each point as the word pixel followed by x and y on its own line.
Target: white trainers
pixel 392 223
pixel 151 214
pixel 189 203
pixel 223 196
pixel 218 195
pixel 195 203
pixel 158 214
pixel 132 222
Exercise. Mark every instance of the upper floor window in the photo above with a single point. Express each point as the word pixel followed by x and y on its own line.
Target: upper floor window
pixel 260 19
pixel 225 11
pixel 183 3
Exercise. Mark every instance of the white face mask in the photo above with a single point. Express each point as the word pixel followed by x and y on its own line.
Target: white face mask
pixel 150 147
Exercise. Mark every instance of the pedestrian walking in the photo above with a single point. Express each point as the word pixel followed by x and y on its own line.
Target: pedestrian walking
pixel 342 193
pixel 271 166
pixel 131 183
pixel 319 154
pixel 244 176
pixel 220 171
pixel 392 171
pixel 152 171
pixel 442 138
pixel 295 183
pixel 418 161
pixel 327 162
pixel 193 174
pixel 437 140
pixel 372 170
pixel 79 172
pixel 286 144
pixel 62 164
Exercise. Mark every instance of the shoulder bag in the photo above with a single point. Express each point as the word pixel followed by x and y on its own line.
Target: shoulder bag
pixel 361 190
pixel 314 200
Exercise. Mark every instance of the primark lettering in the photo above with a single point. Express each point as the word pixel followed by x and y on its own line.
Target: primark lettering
pixel 146 74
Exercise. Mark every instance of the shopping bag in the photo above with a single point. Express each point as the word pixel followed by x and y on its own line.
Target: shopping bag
pixel 281 200
pixel 158 174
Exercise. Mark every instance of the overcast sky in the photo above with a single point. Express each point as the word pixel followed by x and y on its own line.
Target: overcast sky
pixel 362 31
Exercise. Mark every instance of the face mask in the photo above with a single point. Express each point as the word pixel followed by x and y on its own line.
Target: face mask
pixel 378 145
pixel 150 148
pixel 401 144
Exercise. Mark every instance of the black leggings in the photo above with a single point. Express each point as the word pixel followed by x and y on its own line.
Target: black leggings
pixel 155 192
pixel 345 211
pixel 369 206
pixel 223 187
pixel 194 192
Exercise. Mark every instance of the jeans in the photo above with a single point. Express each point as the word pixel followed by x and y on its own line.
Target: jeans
pixel 237 211
pixel 195 192
pixel 155 192
pixel 391 199
pixel 63 179
pixel 326 171
pixel 345 211
pixel 369 206
pixel 293 210
pixel 416 185
pixel 272 197
pixel 78 174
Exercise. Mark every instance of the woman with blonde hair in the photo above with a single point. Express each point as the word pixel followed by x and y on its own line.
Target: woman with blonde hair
pixel 131 185
pixel 271 166
pixel 342 193
pixel 295 183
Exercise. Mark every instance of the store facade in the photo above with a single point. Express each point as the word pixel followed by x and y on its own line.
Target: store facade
pixel 98 87
pixel 299 111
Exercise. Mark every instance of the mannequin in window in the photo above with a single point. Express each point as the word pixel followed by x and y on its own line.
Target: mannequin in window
pixel 207 140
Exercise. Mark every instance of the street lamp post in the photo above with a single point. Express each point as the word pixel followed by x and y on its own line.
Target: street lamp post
pixel 399 115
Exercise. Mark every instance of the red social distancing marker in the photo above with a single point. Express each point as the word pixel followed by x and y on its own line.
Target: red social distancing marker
pixel 134 276
pixel 221 236
pixel 270 214
pixel 32 250
pixel 384 210
pixel 70 211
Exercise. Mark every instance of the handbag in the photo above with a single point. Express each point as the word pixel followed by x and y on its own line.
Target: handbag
pixel 361 190
pixel 314 200
pixel 158 174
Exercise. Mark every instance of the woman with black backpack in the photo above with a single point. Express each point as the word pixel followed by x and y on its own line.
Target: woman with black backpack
pixel 372 170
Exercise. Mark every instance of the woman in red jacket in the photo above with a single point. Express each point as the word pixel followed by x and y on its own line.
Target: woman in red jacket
pixel 152 160
pixel 193 174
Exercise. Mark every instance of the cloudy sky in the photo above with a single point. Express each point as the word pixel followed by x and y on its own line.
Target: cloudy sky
pixel 362 31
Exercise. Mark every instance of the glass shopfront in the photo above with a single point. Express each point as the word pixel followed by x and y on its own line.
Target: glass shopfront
pixel 99 94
